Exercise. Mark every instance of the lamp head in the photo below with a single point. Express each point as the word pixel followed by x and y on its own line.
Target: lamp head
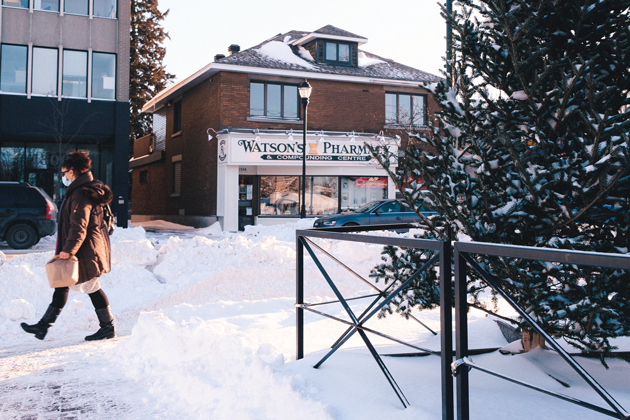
pixel 305 90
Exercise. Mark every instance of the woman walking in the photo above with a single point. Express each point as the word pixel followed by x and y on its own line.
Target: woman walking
pixel 82 232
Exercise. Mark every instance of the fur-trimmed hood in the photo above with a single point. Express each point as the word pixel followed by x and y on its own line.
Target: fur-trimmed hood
pixel 98 192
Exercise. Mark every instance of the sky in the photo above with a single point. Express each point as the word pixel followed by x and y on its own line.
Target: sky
pixel 411 32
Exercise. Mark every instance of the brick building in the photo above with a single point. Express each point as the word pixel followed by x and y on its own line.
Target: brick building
pixel 64 86
pixel 227 141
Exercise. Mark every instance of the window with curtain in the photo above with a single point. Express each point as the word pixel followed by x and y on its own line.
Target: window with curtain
pixel 105 8
pixel 13 68
pixel 405 109
pixel 74 74
pixel 273 100
pixel 45 71
pixel 338 53
pixel 103 76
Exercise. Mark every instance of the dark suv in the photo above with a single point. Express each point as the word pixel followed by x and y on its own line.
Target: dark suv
pixel 26 214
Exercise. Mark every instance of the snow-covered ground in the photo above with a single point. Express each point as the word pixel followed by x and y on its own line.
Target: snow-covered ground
pixel 206 329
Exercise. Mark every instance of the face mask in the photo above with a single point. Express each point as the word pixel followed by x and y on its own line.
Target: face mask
pixel 64 181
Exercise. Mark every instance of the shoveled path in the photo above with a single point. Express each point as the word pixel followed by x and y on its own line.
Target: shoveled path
pixel 53 380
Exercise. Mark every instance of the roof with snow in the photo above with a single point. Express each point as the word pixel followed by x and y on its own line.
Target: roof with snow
pixel 284 55
pixel 333 30
pixel 279 53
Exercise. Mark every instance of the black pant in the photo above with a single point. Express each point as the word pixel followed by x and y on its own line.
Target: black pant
pixel 60 297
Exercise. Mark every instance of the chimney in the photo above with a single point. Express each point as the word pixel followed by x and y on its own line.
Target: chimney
pixel 218 57
pixel 234 48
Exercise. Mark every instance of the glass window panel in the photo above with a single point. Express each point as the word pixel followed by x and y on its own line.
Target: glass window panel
pixel 390 108
pixel 12 162
pixel 75 74
pixel 256 100
pixel 77 7
pixel 404 109
pixel 274 101
pixel 13 68
pixel 279 195
pixel 42 169
pixel 391 207
pixel 331 51
pixel 45 71
pixel 105 8
pixel 177 117
pixel 290 102
pixel 16 3
pixel 344 52
pixel 50 5
pixel 321 198
pixel 418 110
pixel 356 191
pixel 103 76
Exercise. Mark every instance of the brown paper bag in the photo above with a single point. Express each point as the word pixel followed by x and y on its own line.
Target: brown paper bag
pixel 62 273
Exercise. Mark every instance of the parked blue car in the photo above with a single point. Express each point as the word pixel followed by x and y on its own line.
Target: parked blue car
pixel 381 212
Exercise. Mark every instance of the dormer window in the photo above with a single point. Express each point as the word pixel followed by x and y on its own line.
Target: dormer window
pixel 337 53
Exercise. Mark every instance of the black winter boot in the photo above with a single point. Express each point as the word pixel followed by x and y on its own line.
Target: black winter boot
pixel 106 321
pixel 41 328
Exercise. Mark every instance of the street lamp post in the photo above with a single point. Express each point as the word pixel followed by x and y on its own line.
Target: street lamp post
pixel 305 92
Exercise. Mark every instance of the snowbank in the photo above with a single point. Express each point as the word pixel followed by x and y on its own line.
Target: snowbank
pixel 207 321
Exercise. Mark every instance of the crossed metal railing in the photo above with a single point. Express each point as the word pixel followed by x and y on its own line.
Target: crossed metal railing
pixel 442 253
pixel 463 252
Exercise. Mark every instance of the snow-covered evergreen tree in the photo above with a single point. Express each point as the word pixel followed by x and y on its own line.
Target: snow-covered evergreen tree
pixel 531 147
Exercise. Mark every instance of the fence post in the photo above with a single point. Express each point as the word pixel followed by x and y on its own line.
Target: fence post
pixel 299 296
pixel 446 327
pixel 461 335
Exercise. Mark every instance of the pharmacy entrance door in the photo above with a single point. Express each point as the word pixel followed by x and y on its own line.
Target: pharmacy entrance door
pixel 246 200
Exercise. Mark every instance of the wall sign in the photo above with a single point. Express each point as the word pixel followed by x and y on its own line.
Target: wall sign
pixel 242 150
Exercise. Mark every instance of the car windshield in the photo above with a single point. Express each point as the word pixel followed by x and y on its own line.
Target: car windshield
pixel 367 207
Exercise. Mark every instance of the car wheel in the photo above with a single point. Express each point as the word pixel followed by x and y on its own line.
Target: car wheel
pixel 351 224
pixel 21 236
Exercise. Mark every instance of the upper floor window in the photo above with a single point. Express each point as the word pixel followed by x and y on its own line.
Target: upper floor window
pixel 50 5
pixel 405 109
pixel 44 74
pixel 103 76
pixel 335 52
pixel 16 3
pixel 45 67
pixel 273 100
pixel 105 8
pixel 13 68
pixel 177 117
pixel 74 74
pixel 100 8
pixel 76 7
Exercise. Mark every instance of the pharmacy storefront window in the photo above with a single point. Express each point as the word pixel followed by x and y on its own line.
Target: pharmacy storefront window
pixel 279 195
pixel 321 195
pixel 359 190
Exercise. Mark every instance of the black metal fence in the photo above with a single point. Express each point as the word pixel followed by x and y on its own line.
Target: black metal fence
pixel 463 260
pixel 442 256
pixel 463 255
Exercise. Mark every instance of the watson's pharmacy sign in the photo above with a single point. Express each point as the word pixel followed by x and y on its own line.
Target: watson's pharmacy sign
pixel 250 151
